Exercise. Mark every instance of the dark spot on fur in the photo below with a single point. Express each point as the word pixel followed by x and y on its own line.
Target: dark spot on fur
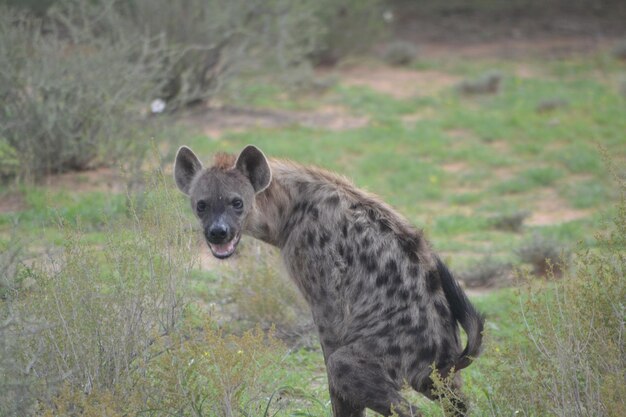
pixel 409 247
pixel 366 242
pixel 394 350
pixel 349 258
pixel 404 320
pixel 297 207
pixel 314 212
pixel 358 227
pixel 344 229
pixel 397 279
pixel 426 352
pixel 442 309
pixel 404 294
pixel 391 267
pixel 372 215
pixel 432 281
pixel 384 331
pixel 381 279
pixel 367 261
pixel 340 249
pixel 414 271
pixel 392 373
pixel 324 239
pixel 333 200
pixel 383 226
pixel 391 291
pixel 303 187
pixel 310 237
pixel 343 369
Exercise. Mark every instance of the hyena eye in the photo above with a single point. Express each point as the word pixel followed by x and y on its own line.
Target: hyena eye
pixel 201 206
pixel 237 203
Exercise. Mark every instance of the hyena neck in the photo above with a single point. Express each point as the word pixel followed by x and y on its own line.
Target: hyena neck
pixel 267 220
pixel 291 184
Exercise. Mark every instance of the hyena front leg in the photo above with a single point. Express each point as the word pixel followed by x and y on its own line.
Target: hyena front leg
pixel 358 381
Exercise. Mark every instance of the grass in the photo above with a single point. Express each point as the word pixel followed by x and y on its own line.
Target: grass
pixel 509 157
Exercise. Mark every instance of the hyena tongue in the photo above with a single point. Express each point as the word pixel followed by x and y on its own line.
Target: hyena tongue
pixel 223 250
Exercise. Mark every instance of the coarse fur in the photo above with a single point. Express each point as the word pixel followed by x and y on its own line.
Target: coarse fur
pixel 386 307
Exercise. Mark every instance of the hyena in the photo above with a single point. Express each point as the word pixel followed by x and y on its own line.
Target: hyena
pixel 385 306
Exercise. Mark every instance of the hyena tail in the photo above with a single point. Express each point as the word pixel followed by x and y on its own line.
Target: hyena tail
pixel 464 312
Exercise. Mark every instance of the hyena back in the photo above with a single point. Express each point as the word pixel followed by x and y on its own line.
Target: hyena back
pixel 386 308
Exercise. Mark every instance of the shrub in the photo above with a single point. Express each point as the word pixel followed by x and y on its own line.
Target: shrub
pixel 488 272
pixel 347 27
pixel 15 384
pixel 510 222
pixel 265 296
pixel 209 373
pixel 572 360
pixel 211 41
pixel 619 50
pixel 547 256
pixel 67 82
pixel 400 53
pixel 487 83
pixel 99 309
pixel 551 104
pixel 10 271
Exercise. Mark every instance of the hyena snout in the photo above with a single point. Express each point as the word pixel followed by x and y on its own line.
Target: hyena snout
pixel 218 232
pixel 222 238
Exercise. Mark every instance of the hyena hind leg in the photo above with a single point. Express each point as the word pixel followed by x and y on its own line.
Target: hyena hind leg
pixel 357 381
pixel 454 402
pixel 344 408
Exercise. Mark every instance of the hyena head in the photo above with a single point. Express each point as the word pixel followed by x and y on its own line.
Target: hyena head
pixel 223 196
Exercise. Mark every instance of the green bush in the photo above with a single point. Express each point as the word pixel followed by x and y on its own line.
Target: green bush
pixel 195 372
pixel 547 256
pixel 94 311
pixel 68 82
pixel 487 272
pixel 400 53
pixel 266 297
pixel 348 27
pixel 209 373
pixel 211 41
pixel 489 82
pixel 572 359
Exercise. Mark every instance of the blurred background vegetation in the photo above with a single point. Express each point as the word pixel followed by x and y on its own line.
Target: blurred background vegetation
pixel 497 126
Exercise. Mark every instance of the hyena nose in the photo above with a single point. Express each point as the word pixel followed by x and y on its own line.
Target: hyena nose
pixel 217 233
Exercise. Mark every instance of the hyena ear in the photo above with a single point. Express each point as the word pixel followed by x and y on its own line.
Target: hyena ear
pixel 187 165
pixel 253 164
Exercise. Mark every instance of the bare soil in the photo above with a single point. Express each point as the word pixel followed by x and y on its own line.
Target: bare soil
pixel 12 202
pixel 399 83
pixel 550 208
pixel 215 122
pixel 105 179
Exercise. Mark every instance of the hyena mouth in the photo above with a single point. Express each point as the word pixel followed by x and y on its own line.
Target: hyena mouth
pixel 224 250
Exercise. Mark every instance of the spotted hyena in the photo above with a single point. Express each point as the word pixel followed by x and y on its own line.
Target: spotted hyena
pixel 386 308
